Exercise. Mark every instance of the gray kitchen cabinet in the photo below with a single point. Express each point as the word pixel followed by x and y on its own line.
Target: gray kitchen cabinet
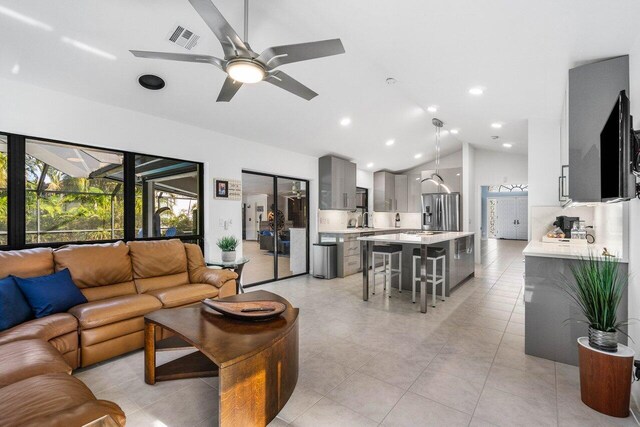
pixel 552 321
pixel 384 192
pixel 593 91
pixel 414 193
pixel 337 183
pixel 401 193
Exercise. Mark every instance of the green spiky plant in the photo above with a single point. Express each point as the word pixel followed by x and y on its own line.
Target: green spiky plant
pixel 227 243
pixel 597 290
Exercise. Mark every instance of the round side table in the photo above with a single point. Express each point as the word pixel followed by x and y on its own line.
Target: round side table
pixel 236 266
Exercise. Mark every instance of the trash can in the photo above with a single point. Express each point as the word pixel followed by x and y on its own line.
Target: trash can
pixel 325 260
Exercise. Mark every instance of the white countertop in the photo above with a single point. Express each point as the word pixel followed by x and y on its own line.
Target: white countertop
pixel 364 230
pixel 563 250
pixel 416 239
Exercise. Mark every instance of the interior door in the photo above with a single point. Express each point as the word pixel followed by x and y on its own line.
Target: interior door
pixel 522 222
pixel 506 217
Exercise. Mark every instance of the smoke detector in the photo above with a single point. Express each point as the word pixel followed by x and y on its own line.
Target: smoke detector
pixel 494 137
pixel 391 81
pixel 183 37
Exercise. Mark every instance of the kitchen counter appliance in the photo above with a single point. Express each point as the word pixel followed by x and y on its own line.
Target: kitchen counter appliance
pixel 565 223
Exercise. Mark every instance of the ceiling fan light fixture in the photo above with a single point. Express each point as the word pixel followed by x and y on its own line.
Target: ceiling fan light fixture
pixel 245 71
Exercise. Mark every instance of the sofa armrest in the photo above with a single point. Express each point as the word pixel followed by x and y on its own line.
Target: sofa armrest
pixel 212 276
pixel 83 414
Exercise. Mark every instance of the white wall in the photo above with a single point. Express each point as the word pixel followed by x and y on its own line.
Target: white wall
pixel 34 111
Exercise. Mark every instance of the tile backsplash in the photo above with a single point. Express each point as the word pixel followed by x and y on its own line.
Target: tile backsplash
pixel 329 220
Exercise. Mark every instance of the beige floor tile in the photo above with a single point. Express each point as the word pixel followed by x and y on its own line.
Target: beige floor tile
pixel 277 422
pixel 516 359
pixel 464 366
pixel 347 354
pixel 454 392
pixel 528 385
pixel 327 413
pixel 414 410
pixel 317 375
pixel 392 369
pixel 366 395
pixel 508 410
pixel 301 400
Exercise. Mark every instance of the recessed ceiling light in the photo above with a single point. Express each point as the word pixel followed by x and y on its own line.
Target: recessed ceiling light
pixel 417 179
pixel 151 82
pixel 87 48
pixel 25 19
pixel 417 156
pixel 507 145
pixel 74 159
pixel 496 125
pixel 457 174
pixel 454 131
pixel 346 121
pixel 432 109
pixel 476 91
pixel 369 165
pixel 15 69
pixel 390 142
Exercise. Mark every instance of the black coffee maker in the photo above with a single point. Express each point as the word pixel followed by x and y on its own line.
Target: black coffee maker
pixel 565 223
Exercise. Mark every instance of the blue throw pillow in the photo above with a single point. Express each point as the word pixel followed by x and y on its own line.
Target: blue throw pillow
pixel 14 309
pixel 55 293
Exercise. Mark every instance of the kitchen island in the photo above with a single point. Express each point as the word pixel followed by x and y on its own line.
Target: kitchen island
pixel 459 266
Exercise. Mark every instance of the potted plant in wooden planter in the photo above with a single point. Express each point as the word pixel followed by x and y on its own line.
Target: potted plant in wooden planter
pixel 605 365
pixel 228 246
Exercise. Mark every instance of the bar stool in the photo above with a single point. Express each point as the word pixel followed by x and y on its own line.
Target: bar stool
pixel 387 252
pixel 433 255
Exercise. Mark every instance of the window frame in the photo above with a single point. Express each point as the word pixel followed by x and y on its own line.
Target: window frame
pixel 16 195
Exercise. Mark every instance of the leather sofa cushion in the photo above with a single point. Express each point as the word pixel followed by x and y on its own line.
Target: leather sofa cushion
pixel 184 294
pixel 41 398
pixel 103 312
pixel 213 276
pixel 81 415
pixel 46 328
pixel 24 359
pixel 26 262
pixel 195 259
pixel 109 291
pixel 161 282
pixel 95 265
pixel 157 258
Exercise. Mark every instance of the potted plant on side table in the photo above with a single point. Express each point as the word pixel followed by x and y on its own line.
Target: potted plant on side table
pixel 605 365
pixel 228 246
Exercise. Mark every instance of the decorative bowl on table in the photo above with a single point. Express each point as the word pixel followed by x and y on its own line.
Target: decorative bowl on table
pixel 249 310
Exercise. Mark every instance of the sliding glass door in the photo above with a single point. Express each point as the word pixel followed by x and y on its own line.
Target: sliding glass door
pixel 275 232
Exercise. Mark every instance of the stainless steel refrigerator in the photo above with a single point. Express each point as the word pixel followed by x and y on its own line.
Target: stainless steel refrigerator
pixel 441 212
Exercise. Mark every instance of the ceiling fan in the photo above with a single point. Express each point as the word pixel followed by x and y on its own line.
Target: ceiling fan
pixel 241 63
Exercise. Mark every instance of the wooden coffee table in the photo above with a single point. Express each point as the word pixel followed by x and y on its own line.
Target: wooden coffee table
pixel 257 362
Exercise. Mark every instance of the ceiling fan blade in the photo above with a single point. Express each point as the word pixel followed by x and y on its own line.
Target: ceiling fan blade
pixel 186 57
pixel 229 89
pixel 232 44
pixel 288 83
pixel 278 55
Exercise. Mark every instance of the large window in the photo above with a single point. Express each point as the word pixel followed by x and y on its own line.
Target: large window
pixel 72 193
pixel 166 197
pixel 53 193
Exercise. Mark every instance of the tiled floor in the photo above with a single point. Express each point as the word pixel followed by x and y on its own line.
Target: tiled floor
pixel 382 362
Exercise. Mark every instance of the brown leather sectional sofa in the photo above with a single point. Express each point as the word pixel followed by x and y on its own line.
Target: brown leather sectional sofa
pixel 122 282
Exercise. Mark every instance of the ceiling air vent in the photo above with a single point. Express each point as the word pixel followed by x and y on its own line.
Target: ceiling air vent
pixel 183 37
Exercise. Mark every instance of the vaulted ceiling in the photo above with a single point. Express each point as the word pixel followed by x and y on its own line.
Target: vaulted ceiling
pixel 519 52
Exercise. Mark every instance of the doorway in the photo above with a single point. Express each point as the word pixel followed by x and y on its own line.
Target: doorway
pixel 505 212
pixel 275 227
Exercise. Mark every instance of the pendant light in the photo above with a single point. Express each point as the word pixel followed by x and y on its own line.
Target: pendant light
pixel 436 178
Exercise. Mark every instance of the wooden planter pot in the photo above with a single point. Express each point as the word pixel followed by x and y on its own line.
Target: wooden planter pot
pixel 605 378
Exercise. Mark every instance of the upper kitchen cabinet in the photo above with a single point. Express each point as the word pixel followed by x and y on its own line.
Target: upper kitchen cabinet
pixel 414 192
pixel 401 193
pixel 384 192
pixel 337 183
pixel 593 92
